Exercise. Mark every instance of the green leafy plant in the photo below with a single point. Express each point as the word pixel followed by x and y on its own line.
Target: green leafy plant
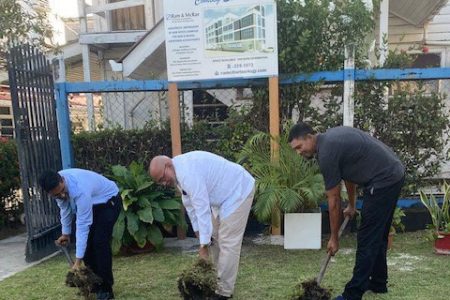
pixel 146 207
pixel 10 179
pixel 312 36
pixel 289 184
pixel 24 21
pixel 397 224
pixel 440 215
pixel 412 121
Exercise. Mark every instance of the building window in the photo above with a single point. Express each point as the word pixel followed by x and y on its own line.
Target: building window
pixel 228 37
pixel 247 21
pixel 209 109
pixel 5 110
pixel 427 60
pixel 228 27
pixel 6 122
pixel 7 131
pixel 237 25
pixel 247 34
pixel 237 35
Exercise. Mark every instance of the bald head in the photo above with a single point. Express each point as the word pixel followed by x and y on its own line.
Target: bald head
pixel 162 171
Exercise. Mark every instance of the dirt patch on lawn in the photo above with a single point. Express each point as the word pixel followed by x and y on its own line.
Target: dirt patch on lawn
pixel 403 261
pixel 310 290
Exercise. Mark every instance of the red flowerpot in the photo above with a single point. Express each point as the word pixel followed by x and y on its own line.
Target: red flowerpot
pixel 390 241
pixel 442 243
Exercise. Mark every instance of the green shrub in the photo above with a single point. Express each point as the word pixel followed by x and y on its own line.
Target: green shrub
pixel 100 150
pixel 10 175
pixel 145 207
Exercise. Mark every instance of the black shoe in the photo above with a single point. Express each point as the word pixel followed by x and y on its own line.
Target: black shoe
pixel 105 295
pixel 220 297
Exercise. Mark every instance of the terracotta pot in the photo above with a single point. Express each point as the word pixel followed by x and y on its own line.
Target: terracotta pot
pixel 134 249
pixel 442 243
pixel 390 240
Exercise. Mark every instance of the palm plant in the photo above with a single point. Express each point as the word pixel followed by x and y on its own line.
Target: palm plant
pixel 288 184
pixel 440 215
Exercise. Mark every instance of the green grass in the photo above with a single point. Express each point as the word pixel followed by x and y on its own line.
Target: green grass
pixel 266 272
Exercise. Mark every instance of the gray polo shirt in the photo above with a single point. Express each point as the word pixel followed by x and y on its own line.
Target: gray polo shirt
pixel 351 154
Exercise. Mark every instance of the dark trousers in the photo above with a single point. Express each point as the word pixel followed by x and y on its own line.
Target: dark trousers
pixel 372 238
pixel 98 255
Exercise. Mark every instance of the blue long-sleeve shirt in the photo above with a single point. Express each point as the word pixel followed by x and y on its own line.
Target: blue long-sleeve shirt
pixel 85 189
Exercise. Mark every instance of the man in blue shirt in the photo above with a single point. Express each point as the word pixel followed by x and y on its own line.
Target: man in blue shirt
pixel 96 203
pixel 349 154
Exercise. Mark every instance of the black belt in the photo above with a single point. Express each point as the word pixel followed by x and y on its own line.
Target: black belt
pixel 112 202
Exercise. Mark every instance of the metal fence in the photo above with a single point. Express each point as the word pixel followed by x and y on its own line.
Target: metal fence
pixel 130 104
pixel 32 94
pixel 136 110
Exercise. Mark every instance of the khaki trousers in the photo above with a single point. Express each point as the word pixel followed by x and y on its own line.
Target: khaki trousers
pixel 226 246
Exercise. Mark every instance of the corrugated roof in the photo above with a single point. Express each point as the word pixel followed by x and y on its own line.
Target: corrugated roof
pixel 416 12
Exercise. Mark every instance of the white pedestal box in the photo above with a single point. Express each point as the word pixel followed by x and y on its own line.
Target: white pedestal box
pixel 302 230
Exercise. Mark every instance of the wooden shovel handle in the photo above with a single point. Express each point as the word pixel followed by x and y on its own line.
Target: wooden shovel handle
pixel 66 253
pixel 327 259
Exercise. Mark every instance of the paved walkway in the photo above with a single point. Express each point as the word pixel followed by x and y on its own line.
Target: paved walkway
pixel 12 256
pixel 12 253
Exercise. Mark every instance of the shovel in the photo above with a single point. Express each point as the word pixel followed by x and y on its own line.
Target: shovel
pixel 66 253
pixel 311 289
pixel 83 279
pixel 327 259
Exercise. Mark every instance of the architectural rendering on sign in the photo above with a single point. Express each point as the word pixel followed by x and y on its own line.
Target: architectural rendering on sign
pixel 237 29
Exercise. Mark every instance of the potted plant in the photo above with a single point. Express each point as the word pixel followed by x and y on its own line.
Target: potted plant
pixel 147 208
pixel 440 216
pixel 396 225
pixel 290 184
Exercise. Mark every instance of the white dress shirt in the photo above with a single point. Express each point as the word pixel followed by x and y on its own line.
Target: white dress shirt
pixel 210 183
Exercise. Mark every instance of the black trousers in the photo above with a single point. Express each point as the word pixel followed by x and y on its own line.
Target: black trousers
pixel 98 255
pixel 372 238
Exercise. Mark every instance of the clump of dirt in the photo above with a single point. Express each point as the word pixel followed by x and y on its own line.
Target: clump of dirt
pixel 310 290
pixel 84 279
pixel 198 282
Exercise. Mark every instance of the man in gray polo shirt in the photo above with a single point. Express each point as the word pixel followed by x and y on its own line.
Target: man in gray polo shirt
pixel 349 154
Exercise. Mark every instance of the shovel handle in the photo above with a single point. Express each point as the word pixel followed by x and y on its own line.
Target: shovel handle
pixel 327 259
pixel 66 253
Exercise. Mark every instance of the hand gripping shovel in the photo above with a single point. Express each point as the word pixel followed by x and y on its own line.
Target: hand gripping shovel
pixel 327 259
pixel 311 289
pixel 83 278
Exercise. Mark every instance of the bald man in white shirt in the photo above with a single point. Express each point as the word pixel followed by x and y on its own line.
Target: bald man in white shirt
pixel 218 196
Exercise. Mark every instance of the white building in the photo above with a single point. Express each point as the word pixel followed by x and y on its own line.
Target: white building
pixel 238 33
pixel 131 33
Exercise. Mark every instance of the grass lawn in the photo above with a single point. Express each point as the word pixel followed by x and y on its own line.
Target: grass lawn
pixel 266 272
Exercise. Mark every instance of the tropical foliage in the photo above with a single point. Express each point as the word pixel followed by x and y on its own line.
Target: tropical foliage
pixel 23 21
pixel 440 214
pixel 289 183
pixel 146 208
pixel 397 224
pixel 9 181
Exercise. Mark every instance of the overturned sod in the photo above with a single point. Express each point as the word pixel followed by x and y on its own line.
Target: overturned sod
pixel 84 279
pixel 199 281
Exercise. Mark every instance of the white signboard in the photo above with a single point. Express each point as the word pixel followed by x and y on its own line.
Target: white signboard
pixel 212 39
